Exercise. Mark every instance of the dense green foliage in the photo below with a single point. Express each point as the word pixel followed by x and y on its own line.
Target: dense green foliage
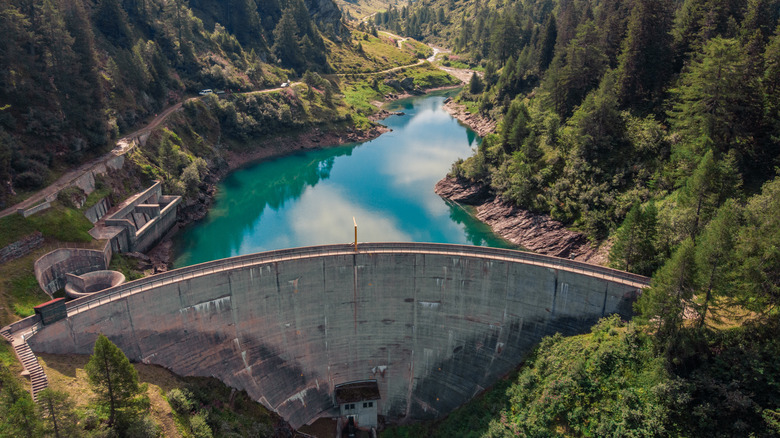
pixel 611 383
pixel 78 73
pixel 115 382
pixel 652 125
pixel 17 408
pixel 621 99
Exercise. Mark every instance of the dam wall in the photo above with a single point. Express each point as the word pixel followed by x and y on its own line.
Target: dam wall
pixel 433 324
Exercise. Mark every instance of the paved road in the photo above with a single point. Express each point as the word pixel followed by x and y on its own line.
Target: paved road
pixel 123 145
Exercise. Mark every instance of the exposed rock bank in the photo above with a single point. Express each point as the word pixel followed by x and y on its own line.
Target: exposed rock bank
pixel 536 232
pixel 479 124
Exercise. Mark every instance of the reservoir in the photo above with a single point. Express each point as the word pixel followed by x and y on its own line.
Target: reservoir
pixel 310 197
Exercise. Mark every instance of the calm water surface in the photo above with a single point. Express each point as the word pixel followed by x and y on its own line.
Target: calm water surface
pixel 309 198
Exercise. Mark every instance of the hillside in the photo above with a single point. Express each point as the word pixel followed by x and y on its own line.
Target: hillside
pixel 78 74
pixel 652 127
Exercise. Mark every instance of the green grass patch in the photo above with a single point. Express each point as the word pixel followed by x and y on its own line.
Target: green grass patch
pixel 95 197
pixel 419 49
pixel 127 266
pixel 58 222
pixel 26 294
pixel 13 228
pixel 63 224
pixel 428 76
pixel 7 356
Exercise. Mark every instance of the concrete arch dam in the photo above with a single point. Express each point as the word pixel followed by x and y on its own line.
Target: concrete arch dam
pixel 434 324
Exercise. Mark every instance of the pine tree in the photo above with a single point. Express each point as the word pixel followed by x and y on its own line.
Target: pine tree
pixel 547 46
pixel 286 41
pixel 645 60
pixel 706 190
pixel 717 104
pixel 17 409
pixel 670 292
pixel 758 252
pixel 635 241
pixel 714 252
pixel 56 409
pixel 113 378
pixel 475 84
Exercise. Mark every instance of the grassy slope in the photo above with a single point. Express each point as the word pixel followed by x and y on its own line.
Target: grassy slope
pixel 235 411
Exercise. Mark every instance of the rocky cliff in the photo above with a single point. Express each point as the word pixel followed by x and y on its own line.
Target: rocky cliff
pixel 536 232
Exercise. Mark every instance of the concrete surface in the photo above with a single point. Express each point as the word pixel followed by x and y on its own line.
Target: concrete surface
pixel 433 324
pixel 86 284
pixel 51 268
pixel 144 217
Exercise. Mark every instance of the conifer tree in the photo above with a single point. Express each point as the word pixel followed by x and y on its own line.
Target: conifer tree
pixel 635 247
pixel 645 60
pixel 17 409
pixel 547 46
pixel 113 378
pixel 670 292
pixel 714 252
pixel 475 84
pixel 56 409
pixel 758 251
pixel 706 190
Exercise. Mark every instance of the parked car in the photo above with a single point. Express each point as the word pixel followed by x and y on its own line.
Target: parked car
pixel 285 84
pixel 205 92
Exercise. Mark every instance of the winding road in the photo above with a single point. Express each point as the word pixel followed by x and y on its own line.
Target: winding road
pixel 128 142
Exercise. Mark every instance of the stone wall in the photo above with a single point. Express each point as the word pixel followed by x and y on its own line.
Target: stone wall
pixel 434 324
pixel 21 247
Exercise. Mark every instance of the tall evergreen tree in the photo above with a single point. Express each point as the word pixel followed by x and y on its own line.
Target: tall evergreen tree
pixel 758 252
pixel 670 292
pixel 286 41
pixel 716 104
pixel 56 409
pixel 706 190
pixel 547 45
pixel 714 253
pixel 113 378
pixel 645 60
pixel 635 241
pixel 17 409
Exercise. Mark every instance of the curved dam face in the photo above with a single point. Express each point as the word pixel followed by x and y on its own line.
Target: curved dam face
pixel 433 324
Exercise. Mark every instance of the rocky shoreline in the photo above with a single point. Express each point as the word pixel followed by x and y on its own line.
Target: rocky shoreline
pixel 537 232
pixel 479 124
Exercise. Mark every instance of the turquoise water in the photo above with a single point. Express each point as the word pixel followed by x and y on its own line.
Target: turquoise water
pixel 310 198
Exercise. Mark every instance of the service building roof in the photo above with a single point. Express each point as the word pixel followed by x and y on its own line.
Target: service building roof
pixel 357 391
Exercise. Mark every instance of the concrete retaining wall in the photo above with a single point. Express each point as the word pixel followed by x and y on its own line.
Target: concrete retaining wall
pixel 146 217
pixel 434 324
pixel 97 211
pixel 51 268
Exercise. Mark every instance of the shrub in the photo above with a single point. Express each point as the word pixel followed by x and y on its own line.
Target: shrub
pixel 28 180
pixel 199 426
pixel 145 427
pixel 180 400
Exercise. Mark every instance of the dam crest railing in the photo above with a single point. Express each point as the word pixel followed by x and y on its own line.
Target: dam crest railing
pixel 231 263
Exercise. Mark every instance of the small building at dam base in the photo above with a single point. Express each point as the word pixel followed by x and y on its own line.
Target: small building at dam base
pixel 427 326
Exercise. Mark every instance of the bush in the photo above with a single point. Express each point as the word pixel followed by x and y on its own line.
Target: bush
pixel 200 429
pixel 28 180
pixel 180 400
pixel 145 427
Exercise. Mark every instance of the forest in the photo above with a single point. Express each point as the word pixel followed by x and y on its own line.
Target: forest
pixel 78 74
pixel 653 128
